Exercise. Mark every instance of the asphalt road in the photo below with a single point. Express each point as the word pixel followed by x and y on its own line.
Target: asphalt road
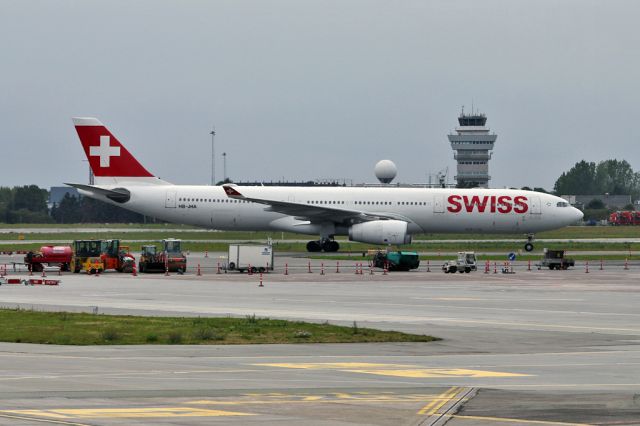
pixel 535 347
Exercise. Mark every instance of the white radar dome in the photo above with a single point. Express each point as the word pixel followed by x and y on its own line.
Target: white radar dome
pixel 385 171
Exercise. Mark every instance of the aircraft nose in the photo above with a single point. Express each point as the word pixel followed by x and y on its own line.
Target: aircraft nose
pixel 578 214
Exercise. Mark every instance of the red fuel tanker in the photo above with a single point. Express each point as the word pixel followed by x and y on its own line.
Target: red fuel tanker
pixel 49 255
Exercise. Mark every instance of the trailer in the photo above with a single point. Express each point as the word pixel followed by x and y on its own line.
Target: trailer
pixel 250 257
pixel 51 256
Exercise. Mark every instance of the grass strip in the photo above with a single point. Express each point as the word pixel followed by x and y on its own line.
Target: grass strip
pixel 64 328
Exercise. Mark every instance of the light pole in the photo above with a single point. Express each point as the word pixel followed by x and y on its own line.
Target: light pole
pixel 224 165
pixel 213 156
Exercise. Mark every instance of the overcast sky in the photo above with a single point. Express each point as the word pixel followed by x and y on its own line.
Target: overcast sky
pixel 318 89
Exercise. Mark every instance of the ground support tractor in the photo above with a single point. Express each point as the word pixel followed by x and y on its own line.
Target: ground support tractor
pixel 396 260
pixel 554 259
pixel 51 256
pixel 171 258
pixel 117 257
pixel 96 256
pixel 465 263
pixel 86 256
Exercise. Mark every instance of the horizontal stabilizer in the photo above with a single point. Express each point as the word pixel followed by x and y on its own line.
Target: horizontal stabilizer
pixel 119 195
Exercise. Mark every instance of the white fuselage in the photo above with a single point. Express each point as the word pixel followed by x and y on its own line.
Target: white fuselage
pixel 427 210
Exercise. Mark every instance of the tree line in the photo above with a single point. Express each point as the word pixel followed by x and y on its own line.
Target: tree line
pixel 612 177
pixel 28 204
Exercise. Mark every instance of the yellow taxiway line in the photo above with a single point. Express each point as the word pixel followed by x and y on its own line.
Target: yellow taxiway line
pixel 437 403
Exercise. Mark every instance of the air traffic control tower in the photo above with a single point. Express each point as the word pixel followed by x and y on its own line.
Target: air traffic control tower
pixel 472 145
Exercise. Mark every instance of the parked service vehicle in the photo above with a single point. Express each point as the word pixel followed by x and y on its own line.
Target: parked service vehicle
pixel 466 262
pixel 171 257
pixel 117 257
pixel 554 259
pixel 245 257
pixel 51 256
pixel 624 217
pixel 86 256
pixel 96 256
pixel 396 260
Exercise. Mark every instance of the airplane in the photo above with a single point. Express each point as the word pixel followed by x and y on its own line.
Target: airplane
pixel 374 215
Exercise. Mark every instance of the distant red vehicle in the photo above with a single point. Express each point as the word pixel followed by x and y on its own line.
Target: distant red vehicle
pixel 49 255
pixel 625 217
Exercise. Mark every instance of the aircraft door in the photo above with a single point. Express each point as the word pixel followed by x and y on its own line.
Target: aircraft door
pixel 438 204
pixel 535 205
pixel 170 200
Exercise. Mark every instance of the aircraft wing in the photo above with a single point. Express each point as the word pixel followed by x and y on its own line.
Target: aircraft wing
pixel 311 212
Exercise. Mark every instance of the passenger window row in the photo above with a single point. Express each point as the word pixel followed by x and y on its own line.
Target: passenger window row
pixel 376 203
pixel 212 200
pixel 314 202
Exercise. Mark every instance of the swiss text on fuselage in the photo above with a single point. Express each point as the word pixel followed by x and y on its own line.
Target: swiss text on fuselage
pixel 487 204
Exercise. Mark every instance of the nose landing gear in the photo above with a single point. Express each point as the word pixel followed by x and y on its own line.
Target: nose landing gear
pixel 528 246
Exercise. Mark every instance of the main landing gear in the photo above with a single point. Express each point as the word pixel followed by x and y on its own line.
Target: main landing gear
pixel 529 244
pixel 325 245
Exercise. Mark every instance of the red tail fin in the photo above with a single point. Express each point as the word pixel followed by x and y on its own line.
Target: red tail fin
pixel 106 155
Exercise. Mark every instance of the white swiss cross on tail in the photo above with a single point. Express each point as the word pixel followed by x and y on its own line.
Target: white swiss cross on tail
pixel 105 151
pixel 101 147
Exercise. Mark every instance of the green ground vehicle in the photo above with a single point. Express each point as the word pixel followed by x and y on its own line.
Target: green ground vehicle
pixel 397 260
pixel 171 257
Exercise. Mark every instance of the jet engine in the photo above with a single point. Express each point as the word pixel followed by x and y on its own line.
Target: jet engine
pixel 380 232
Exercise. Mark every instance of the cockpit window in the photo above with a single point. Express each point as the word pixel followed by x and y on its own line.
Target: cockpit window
pixel 562 204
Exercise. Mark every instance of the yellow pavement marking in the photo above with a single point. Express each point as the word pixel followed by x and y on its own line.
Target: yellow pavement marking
pixel 312 398
pixel 328 398
pixel 66 413
pixel 508 420
pixel 398 370
pixel 432 407
pixel 439 372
